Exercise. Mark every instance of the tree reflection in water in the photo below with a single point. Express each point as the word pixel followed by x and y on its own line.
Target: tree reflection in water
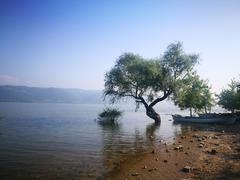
pixel 119 145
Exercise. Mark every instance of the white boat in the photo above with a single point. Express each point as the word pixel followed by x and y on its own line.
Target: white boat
pixel 222 119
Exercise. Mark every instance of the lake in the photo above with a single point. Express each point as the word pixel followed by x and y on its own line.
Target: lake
pixel 64 141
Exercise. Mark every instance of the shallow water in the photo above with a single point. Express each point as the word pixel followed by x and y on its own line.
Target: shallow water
pixel 62 141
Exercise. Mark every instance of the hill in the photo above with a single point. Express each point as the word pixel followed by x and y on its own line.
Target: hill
pixel 50 95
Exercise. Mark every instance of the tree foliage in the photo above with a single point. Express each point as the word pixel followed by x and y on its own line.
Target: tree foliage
pixel 149 81
pixel 230 98
pixel 194 94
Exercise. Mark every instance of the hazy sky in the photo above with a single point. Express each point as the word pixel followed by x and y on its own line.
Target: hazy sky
pixel 72 44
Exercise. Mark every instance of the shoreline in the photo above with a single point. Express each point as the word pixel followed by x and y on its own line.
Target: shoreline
pixel 199 153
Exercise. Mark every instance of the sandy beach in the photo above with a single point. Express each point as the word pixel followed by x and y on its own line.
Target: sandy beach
pixel 211 152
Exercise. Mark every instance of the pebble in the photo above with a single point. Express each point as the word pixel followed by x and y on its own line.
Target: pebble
pixel 196 135
pixel 135 174
pixel 200 145
pixel 153 169
pixel 214 151
pixel 186 169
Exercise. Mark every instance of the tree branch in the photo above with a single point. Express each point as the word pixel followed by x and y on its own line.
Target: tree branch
pixel 165 95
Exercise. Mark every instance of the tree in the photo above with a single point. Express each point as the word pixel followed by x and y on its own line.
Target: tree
pixel 148 81
pixel 194 94
pixel 230 98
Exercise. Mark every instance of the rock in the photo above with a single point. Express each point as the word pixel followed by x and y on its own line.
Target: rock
pixel 186 169
pixel 213 151
pixel 167 151
pixel 165 161
pixel 186 153
pixel 178 147
pixel 200 139
pixel 165 144
pixel 152 169
pixel 200 145
pixel 215 137
pixel 183 137
pixel 196 136
pixel 153 151
pixel 161 141
pixel 223 131
pixel 144 167
pixel 191 141
pixel 156 159
pixel 151 137
pixel 135 174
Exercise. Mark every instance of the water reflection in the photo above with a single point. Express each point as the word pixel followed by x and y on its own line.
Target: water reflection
pixel 151 129
pixel 118 145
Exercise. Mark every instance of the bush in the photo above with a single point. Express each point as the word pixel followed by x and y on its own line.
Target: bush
pixel 109 115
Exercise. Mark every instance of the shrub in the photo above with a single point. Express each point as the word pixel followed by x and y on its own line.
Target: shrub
pixel 109 115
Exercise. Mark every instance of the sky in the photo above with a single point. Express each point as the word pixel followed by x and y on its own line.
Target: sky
pixel 72 44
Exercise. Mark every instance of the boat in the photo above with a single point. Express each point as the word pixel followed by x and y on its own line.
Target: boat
pixel 206 118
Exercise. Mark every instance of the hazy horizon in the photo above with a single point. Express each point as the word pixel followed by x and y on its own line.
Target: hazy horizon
pixel 71 44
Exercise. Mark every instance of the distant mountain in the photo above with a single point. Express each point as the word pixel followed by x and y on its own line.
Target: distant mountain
pixel 51 95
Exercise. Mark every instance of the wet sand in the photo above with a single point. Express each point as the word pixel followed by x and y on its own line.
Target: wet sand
pixel 199 153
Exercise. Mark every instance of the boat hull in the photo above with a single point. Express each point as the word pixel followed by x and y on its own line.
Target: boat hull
pixel 219 119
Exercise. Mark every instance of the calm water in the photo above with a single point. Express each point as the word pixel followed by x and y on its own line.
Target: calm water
pixel 62 141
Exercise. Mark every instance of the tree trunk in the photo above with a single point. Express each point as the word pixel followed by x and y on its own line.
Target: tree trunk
pixel 190 112
pixel 205 109
pixel 152 114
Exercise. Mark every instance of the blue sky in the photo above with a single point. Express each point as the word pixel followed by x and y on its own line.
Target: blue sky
pixel 71 44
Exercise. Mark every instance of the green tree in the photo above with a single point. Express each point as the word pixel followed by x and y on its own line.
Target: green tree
pixel 149 81
pixel 194 94
pixel 230 98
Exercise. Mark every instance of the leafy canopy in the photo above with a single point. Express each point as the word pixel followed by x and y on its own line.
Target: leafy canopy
pixel 148 80
pixel 194 93
pixel 230 98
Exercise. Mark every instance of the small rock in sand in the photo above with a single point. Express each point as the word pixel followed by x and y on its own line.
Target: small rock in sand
pixel 213 151
pixel 135 174
pixel 186 169
pixel 200 145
